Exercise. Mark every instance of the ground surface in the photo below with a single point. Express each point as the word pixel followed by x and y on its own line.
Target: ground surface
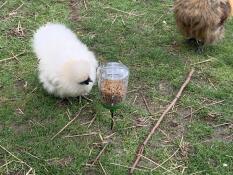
pixel 195 138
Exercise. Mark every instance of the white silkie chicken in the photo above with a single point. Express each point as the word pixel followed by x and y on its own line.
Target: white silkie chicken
pixel 67 68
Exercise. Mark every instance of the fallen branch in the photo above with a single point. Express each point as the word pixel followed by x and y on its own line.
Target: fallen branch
pixel 152 131
pixel 69 122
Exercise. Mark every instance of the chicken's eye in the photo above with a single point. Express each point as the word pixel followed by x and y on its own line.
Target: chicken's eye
pixel 86 82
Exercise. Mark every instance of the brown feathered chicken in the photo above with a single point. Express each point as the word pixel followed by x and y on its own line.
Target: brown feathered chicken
pixel 202 21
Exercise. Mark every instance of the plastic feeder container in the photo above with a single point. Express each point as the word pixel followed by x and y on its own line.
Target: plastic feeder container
pixel 113 84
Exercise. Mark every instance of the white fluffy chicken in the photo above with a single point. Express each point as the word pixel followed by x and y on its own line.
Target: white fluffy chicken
pixel 67 68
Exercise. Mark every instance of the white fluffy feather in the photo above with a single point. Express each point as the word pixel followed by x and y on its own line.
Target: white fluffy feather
pixel 64 61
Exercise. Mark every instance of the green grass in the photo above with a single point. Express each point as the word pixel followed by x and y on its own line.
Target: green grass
pixel 149 44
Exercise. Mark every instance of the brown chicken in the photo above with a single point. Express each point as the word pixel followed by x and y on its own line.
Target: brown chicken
pixel 202 21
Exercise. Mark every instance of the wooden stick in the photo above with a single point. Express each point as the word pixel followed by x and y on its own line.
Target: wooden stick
pixel 101 152
pixel 152 131
pixel 69 122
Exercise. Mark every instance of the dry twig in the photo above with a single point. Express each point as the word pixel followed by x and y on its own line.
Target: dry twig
pixel 147 107
pixel 18 159
pixel 13 57
pixel 157 164
pixel 85 4
pixel 6 164
pixel 204 106
pixel 86 98
pixel 102 168
pixel 223 124
pixel 98 156
pixel 81 135
pixel 166 159
pixel 69 122
pixel 128 13
pixel 135 99
pixel 152 131
pixel 92 120
pixel 116 164
pixel 3 4
pixel 205 61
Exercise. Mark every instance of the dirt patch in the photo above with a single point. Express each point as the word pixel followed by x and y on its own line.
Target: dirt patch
pixel 174 47
pixel 175 124
pixel 20 84
pixel 91 171
pixel 74 10
pixel 1 127
pixel 18 129
pixel 211 118
pixel 183 112
pixel 144 102
pixel 15 173
pixel 223 133
pixel 86 116
pixel 165 88
pixel 17 32
pixel 174 129
pixel 63 103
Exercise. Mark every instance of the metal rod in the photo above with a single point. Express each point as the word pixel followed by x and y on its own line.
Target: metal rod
pixel 112 116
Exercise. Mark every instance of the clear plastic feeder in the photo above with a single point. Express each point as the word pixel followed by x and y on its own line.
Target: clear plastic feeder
pixel 113 83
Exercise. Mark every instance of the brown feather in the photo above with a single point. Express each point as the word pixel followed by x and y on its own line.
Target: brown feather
pixel 226 10
pixel 202 19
